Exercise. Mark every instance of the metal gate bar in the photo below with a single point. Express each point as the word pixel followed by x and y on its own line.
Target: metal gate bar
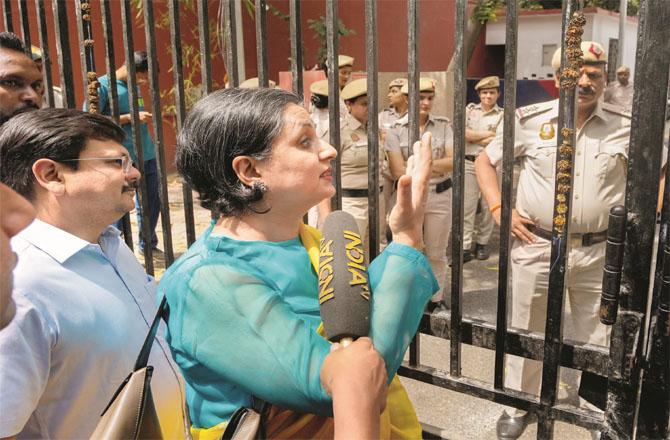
pixel 85 35
pixel 460 86
pixel 511 42
pixel 333 48
pixel 7 5
pixel 413 116
pixel 230 38
pixel 647 124
pixel 159 142
pixel 205 50
pixel 180 106
pixel 64 55
pixel 142 195
pixel 567 114
pixel 373 127
pixel 113 103
pixel 296 47
pixel 25 23
pixel 46 57
pixel 262 43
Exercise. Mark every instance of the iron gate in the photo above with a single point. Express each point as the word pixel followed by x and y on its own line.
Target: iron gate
pixel 637 366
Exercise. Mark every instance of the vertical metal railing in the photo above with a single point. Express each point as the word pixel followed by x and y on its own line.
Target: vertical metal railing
pixel 7 17
pixel 159 141
pixel 86 54
pixel 113 98
pixel 64 54
pixel 46 56
pixel 230 37
pixel 333 40
pixel 205 50
pixel 413 73
pixel 262 42
pixel 373 127
pixel 143 195
pixel 180 106
pixel 25 23
pixel 646 139
pixel 573 21
pixel 296 47
pixel 460 85
pixel 511 41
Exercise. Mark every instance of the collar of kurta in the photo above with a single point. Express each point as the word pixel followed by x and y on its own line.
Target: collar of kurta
pixel 60 244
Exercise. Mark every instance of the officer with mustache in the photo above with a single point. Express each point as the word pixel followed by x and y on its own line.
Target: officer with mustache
pixel 21 85
pixel 601 154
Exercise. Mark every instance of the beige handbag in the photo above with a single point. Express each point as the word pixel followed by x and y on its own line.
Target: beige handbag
pixel 131 413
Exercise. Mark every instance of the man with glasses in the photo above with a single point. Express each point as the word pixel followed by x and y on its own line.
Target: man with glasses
pixel 83 302
pixel 20 80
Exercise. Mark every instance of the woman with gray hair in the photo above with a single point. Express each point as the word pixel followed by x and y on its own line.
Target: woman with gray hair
pixel 244 311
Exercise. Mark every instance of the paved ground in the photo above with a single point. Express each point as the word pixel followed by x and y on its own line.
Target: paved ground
pixel 460 416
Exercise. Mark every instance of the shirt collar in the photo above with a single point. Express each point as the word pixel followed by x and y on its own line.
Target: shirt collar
pixel 353 123
pixel 57 243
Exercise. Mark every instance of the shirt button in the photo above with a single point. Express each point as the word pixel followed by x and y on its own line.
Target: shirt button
pixel 577 174
pixel 579 152
pixel 576 196
pixel 574 219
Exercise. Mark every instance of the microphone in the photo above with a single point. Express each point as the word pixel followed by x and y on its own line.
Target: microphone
pixel 344 288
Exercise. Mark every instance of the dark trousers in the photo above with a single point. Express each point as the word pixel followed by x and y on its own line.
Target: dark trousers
pixel 151 176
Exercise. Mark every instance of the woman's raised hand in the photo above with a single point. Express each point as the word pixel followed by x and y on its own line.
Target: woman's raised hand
pixel 406 219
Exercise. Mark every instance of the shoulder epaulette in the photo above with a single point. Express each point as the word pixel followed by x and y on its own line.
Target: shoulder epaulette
pixel 534 109
pixel 440 118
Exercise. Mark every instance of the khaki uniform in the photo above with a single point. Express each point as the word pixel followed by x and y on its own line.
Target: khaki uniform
pixel 437 221
pixel 618 94
pixel 387 119
pixel 477 224
pixel 354 170
pixel 599 183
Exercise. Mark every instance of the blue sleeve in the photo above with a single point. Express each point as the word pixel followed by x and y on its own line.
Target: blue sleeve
pixel 402 282
pixel 103 99
pixel 240 330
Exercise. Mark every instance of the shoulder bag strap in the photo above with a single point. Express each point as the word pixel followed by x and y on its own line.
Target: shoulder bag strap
pixel 143 357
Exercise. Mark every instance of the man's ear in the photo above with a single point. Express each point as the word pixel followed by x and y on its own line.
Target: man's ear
pixel 245 168
pixel 48 175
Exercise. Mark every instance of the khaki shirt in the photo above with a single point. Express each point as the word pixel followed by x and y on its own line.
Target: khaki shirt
pixel 443 139
pixel 617 94
pixel 354 154
pixel 477 119
pixel 321 123
pixel 601 157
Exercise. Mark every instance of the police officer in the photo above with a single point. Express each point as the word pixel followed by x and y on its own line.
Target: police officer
pixel 481 123
pixel 252 83
pixel 600 154
pixel 354 156
pixel 387 117
pixel 319 115
pixel 437 221
pixel 345 65
pixel 620 92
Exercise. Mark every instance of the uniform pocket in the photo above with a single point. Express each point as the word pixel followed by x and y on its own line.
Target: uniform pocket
pixel 544 161
pixel 610 159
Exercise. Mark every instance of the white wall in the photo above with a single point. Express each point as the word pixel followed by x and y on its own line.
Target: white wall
pixel 542 29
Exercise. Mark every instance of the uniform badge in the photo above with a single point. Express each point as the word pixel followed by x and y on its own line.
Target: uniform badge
pixel 354 137
pixel 547 131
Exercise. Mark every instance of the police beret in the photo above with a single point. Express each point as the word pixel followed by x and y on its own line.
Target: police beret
pixel 593 53
pixel 398 82
pixel 490 82
pixel 425 85
pixel 252 83
pixel 623 69
pixel 345 60
pixel 319 87
pixel 354 89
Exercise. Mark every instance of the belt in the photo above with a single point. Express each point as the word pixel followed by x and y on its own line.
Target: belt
pixel 357 192
pixel 588 239
pixel 443 186
pixel 470 157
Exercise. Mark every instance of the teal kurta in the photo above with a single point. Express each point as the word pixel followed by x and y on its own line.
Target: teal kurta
pixel 244 314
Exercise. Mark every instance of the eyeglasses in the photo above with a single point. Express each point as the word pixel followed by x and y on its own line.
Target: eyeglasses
pixel 124 162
